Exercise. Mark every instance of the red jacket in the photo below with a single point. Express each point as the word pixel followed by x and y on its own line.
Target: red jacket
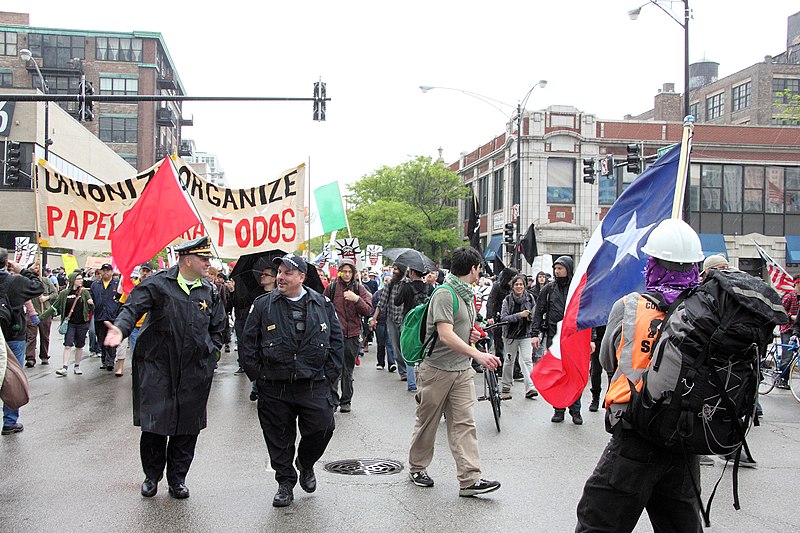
pixel 349 313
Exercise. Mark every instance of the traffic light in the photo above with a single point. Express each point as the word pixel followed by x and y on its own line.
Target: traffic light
pixel 634 158
pixel 607 166
pixel 509 233
pixel 87 112
pixel 588 170
pixel 319 101
pixel 12 161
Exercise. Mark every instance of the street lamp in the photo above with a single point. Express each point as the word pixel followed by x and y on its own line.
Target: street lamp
pixel 634 14
pixel 26 56
pixel 520 109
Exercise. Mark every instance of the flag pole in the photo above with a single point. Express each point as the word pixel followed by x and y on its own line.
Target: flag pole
pixel 188 196
pixel 38 217
pixel 346 220
pixel 308 203
pixel 683 167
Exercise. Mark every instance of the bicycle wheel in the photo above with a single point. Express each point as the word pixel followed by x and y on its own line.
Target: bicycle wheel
pixel 769 372
pixel 490 381
pixel 794 380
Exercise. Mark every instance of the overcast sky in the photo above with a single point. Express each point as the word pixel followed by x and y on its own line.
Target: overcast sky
pixel 374 55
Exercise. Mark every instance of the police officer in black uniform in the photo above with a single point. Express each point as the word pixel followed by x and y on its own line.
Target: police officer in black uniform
pixel 173 363
pixel 292 347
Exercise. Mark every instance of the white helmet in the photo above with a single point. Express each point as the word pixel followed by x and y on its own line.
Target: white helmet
pixel 674 240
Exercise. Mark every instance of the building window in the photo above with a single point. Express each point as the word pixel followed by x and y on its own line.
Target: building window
pixel 499 185
pixel 57 84
pixel 483 194
pixel 732 189
pixel 741 96
pixel 6 79
pixel 8 43
pixel 780 86
pixel 124 86
pixel 57 51
pixel 753 189
pixel 774 190
pixel 792 175
pixel 694 109
pixel 710 187
pixel 560 181
pixel 715 106
pixel 119 129
pixel 118 49
pixel 130 159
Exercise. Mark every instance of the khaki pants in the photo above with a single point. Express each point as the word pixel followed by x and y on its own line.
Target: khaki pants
pixel 454 394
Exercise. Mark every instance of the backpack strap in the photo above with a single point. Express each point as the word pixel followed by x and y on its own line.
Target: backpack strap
pixel 435 335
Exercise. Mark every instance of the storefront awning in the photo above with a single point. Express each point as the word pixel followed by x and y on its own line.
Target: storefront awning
pixel 713 243
pixel 792 250
pixel 494 248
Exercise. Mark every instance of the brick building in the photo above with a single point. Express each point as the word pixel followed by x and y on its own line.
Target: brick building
pixel 115 64
pixel 744 182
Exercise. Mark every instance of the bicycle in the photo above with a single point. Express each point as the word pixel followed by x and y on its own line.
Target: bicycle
pixel 773 374
pixel 491 387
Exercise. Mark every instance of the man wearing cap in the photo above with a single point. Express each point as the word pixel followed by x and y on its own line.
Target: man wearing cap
pixel 352 301
pixel 106 305
pixel 174 364
pixel 413 292
pixel 292 348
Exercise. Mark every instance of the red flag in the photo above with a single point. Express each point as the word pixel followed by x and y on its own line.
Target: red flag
pixel 160 215
pixel 780 279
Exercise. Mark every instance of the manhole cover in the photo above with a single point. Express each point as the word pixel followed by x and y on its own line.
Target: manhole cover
pixel 364 467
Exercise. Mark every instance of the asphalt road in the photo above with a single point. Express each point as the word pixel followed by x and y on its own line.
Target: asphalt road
pixel 76 466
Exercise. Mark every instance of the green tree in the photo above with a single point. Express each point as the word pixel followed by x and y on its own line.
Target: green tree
pixel 787 104
pixel 413 205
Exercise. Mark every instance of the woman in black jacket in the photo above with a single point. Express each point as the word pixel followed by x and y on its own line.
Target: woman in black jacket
pixel 517 309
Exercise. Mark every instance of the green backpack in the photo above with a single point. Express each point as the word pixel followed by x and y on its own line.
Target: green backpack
pixel 412 336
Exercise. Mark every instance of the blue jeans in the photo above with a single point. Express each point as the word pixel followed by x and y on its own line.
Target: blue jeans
pixel 394 337
pixel 93 346
pixel 132 338
pixel 10 416
pixel 385 349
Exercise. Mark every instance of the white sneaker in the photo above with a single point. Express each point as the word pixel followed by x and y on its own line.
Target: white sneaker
pixel 61 372
pixel 77 371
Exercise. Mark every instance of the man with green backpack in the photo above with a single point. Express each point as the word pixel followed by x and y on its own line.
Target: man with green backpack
pixel 445 378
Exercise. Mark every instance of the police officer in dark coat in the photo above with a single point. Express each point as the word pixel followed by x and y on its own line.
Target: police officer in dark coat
pixel 173 363
pixel 293 349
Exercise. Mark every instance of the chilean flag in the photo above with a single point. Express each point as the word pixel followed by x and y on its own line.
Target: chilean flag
pixel 611 267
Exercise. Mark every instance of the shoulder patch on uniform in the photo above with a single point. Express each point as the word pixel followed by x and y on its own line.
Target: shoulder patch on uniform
pixel 270 327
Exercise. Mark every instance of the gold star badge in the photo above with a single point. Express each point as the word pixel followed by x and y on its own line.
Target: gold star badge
pixel 203 305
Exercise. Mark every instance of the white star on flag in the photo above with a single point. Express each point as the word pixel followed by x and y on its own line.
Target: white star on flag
pixel 627 242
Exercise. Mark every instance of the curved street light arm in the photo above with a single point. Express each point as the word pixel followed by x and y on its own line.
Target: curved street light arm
pixel 483 98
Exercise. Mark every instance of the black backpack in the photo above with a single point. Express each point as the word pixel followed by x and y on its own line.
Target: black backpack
pixel 698 395
pixel 9 319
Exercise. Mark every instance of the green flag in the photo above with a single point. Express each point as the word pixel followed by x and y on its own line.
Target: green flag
pixel 329 207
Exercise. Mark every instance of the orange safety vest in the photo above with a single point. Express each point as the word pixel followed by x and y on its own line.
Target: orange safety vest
pixel 641 322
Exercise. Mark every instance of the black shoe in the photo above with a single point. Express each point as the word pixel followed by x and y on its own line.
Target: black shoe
pixel 577 419
pixel 227 349
pixel 595 405
pixel 30 364
pixel 179 491
pixel 253 396
pixel 284 496
pixel 45 361
pixel 421 479
pixel 558 416
pixel 308 481
pixel 392 367
pixel 149 487
pixel 481 486
pixel 16 428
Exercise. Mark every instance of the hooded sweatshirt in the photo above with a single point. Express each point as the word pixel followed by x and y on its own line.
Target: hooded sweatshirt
pixel 552 302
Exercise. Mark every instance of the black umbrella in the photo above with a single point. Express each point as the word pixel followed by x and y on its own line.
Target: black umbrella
pixel 247 271
pixel 410 258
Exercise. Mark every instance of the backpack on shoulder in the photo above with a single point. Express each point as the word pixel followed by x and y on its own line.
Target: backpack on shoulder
pixel 699 391
pixel 413 344
pixel 10 321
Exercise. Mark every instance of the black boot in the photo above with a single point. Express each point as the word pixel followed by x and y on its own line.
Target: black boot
pixel 595 405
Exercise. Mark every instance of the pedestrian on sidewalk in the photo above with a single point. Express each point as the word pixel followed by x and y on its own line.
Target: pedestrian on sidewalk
pixel 516 311
pixel 292 347
pixel 173 364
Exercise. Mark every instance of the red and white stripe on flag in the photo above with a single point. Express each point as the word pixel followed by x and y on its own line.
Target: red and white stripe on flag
pixel 781 280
